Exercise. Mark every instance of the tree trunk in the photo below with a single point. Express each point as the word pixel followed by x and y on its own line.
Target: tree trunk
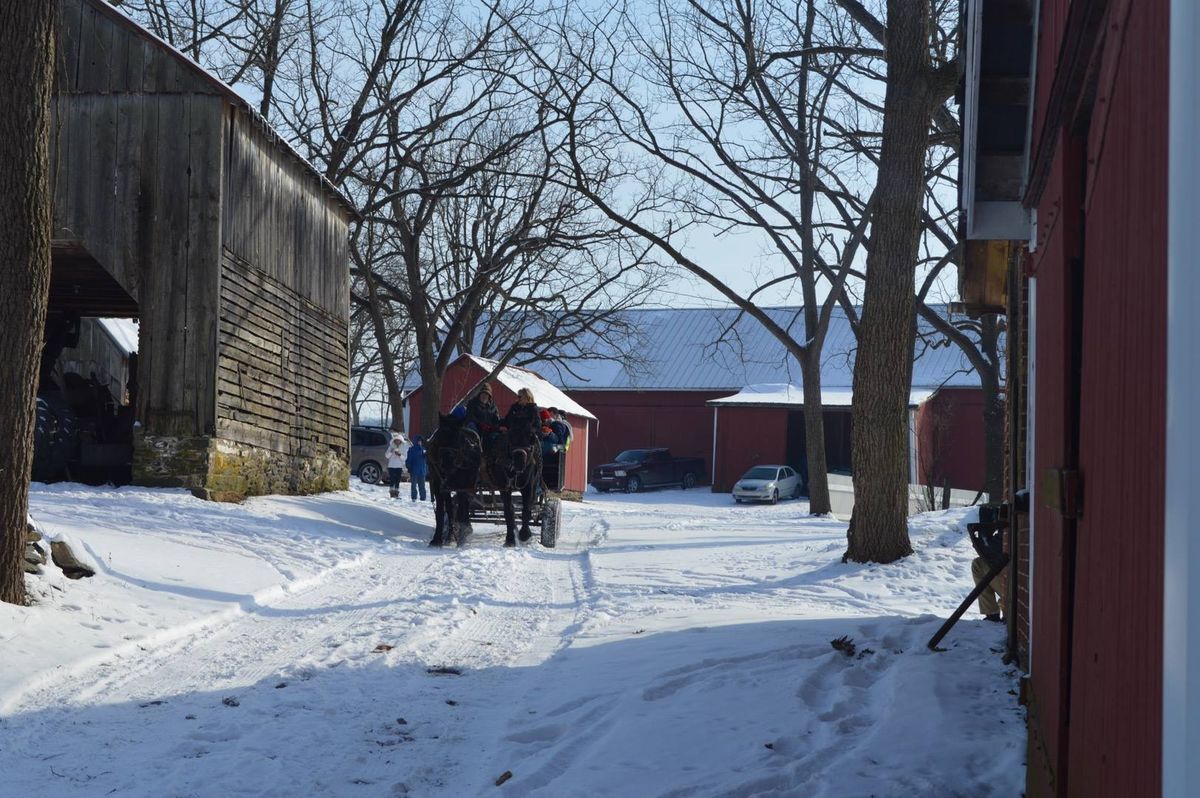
pixel 27 47
pixel 882 367
pixel 431 399
pixel 814 433
pixel 388 363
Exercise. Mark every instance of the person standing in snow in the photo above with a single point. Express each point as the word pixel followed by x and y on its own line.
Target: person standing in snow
pixel 395 462
pixel 417 468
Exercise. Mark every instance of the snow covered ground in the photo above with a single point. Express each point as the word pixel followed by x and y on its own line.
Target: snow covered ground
pixel 673 644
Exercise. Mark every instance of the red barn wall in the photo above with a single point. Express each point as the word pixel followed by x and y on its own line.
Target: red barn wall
pixel 1116 680
pixel 950 443
pixel 677 420
pixel 1100 264
pixel 748 436
pixel 464 374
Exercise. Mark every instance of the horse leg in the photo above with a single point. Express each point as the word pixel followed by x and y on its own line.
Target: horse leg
pixel 462 504
pixel 510 539
pixel 526 509
pixel 440 508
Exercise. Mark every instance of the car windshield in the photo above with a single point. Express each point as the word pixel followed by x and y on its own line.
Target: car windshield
pixel 632 456
pixel 761 472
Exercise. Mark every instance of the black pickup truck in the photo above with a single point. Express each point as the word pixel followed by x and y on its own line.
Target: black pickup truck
pixel 635 469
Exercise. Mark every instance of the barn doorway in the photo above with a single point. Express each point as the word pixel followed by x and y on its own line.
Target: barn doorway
pixel 837 443
pixel 87 381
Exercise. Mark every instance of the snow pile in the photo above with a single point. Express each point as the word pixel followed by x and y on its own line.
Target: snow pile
pixel 674 644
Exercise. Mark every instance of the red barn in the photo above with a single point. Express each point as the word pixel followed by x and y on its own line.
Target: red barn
pixel 1080 159
pixel 688 359
pixel 465 374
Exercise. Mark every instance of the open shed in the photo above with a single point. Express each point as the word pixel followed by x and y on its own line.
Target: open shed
pixel 176 204
pixel 465 374
pixel 765 424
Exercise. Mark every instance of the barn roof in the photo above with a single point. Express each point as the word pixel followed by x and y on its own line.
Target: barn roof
pixel 219 87
pixel 723 349
pixel 544 392
pixel 788 395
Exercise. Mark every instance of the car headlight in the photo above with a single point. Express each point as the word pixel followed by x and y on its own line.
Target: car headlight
pixel 769 486
pixel 618 473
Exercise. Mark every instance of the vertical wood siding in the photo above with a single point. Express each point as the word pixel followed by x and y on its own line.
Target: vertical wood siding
pixel 748 436
pixel 277 217
pixel 1116 680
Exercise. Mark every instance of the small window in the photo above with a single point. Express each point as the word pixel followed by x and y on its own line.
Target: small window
pixel 377 439
pixel 357 437
pixel 787 473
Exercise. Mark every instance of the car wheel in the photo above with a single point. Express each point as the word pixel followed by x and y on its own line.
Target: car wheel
pixel 633 485
pixel 370 472
pixel 796 492
pixel 689 480
pixel 775 496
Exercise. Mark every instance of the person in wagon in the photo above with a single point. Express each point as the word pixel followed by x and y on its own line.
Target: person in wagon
pixel 482 415
pixel 558 422
pixel 523 417
pixel 551 437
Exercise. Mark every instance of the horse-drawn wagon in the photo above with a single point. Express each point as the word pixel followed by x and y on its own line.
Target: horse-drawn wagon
pixel 487 504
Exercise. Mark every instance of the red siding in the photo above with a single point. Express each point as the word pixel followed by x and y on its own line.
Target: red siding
pixel 1116 680
pixel 1096 660
pixel 464 374
pixel 748 436
pixel 950 439
pixel 678 420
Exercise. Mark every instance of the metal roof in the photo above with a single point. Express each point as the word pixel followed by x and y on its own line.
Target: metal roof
pixel 697 349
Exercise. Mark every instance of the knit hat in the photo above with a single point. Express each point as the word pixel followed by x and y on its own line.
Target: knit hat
pixel 545 415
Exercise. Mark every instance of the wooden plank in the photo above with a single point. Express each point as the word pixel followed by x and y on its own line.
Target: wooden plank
pixel 205 142
pixel 176 387
pixel 241 432
pixel 69 49
pixel 96 44
pixel 133 219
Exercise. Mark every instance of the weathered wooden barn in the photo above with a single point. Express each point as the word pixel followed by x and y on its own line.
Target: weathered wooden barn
pixel 465 374
pixel 1080 159
pixel 176 204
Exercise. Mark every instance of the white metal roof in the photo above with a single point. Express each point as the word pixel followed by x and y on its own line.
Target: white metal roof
pixel 788 395
pixel 123 332
pixel 544 393
pixel 722 349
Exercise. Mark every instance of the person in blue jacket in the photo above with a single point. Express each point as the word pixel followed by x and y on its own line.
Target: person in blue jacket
pixel 417 467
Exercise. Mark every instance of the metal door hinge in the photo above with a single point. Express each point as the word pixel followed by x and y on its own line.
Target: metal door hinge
pixel 1062 492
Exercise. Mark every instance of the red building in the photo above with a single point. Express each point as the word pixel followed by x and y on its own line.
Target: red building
pixel 1087 166
pixel 689 359
pixel 465 374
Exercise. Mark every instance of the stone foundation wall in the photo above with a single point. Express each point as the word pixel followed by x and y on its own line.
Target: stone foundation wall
pixel 238 470
pixel 222 470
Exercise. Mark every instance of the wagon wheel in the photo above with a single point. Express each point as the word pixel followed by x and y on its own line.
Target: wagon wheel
pixel 551 518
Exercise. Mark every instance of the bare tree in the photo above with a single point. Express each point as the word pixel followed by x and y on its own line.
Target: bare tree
pixel 725 106
pixel 918 83
pixel 27 48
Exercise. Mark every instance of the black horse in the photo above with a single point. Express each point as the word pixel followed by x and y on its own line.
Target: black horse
pixel 454 454
pixel 513 462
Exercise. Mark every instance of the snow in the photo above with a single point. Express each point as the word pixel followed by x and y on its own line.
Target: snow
pixel 545 394
pixel 124 333
pixel 673 644
pixel 786 394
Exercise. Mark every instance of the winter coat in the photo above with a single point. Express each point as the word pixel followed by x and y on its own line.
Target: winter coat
pixel 483 416
pixel 415 462
pixel 562 430
pixel 395 453
pixel 524 417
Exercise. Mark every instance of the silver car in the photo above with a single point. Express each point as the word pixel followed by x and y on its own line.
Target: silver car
pixel 368 453
pixel 768 483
